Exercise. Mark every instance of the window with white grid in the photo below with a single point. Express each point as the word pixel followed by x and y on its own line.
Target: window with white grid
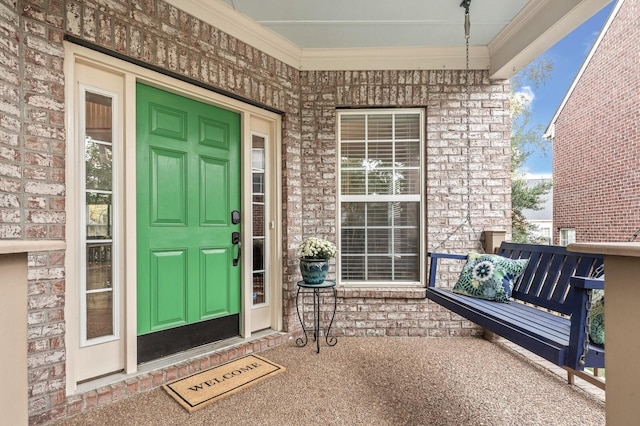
pixel 567 236
pixel 380 195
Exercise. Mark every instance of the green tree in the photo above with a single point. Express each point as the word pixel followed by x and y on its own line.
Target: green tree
pixel 525 139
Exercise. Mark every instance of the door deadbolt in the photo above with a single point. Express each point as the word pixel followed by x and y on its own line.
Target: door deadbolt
pixel 235 217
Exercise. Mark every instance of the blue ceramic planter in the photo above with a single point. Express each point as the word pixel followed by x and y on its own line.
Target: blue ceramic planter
pixel 314 271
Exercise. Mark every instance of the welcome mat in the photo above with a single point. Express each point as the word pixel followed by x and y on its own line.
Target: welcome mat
pixel 206 387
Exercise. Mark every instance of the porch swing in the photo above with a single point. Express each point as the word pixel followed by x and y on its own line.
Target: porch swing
pixel 547 310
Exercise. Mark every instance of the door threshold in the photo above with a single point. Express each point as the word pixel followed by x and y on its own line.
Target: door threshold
pixel 174 359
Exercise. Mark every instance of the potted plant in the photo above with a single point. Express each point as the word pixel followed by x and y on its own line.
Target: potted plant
pixel 314 259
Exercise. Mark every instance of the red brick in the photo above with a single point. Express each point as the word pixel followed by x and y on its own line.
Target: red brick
pixel 118 390
pixel 105 395
pixel 146 382
pixel 56 342
pixel 158 378
pixel 90 400
pixel 74 406
pixel 214 360
pixel 193 367
pixel 595 150
pixel 183 370
pixel 48 416
pixel 133 386
pixel 58 398
pixel 58 371
pixel 172 373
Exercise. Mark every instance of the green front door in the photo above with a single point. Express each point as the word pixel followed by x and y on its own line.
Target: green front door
pixel 188 185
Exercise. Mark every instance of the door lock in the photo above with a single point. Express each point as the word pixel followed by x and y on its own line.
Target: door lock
pixel 235 217
pixel 235 240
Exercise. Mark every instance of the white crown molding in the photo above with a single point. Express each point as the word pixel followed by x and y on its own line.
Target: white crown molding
pixel 536 28
pixel 222 16
pixel 393 58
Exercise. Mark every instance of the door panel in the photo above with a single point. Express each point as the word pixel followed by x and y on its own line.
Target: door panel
pixel 188 182
pixel 215 298
pixel 214 204
pixel 168 288
pixel 168 196
pixel 167 122
pixel 214 133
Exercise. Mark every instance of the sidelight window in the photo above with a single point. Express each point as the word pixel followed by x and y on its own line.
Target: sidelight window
pixel 99 221
pixel 260 295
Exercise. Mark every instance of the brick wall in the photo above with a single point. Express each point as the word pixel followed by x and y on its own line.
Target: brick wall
pixel 11 185
pixel 449 164
pixel 32 179
pixel 32 149
pixel 596 156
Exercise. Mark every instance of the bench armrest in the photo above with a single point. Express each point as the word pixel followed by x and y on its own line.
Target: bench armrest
pixel 447 256
pixel 587 283
pixel 434 264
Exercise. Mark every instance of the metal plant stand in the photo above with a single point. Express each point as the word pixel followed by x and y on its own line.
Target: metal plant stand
pixel 316 289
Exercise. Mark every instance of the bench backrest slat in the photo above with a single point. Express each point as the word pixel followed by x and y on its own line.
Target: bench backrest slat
pixel 553 281
pixel 545 281
pixel 529 278
pixel 559 293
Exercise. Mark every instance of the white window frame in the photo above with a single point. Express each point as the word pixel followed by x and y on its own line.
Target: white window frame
pixel 263 153
pixel 115 195
pixel 567 236
pixel 419 198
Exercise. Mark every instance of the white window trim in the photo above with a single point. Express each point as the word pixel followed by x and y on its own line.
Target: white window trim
pixel 421 198
pixel 567 236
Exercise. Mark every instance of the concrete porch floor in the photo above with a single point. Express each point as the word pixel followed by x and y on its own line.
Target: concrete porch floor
pixel 383 381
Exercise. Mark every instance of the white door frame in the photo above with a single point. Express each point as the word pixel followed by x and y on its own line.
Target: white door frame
pixel 253 119
pixel 269 315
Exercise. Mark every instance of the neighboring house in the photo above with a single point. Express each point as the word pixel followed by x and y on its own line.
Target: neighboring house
pixel 142 142
pixel 595 133
pixel 543 218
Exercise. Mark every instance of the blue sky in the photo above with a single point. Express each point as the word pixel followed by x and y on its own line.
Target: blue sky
pixel 567 57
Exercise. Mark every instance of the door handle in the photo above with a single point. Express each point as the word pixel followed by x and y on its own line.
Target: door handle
pixel 235 240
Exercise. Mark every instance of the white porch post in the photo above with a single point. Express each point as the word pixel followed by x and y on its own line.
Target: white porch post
pixel 14 395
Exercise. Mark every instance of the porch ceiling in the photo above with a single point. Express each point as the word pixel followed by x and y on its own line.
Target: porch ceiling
pixel 403 34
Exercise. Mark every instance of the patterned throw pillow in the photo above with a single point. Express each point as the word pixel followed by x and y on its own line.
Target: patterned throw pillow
pixel 489 276
pixel 596 333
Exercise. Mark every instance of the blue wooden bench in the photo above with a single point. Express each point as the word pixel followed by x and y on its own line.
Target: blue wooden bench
pixel 548 310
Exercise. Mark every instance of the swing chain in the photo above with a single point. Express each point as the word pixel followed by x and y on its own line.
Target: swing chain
pixel 467 35
pixel 596 273
pixel 587 329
